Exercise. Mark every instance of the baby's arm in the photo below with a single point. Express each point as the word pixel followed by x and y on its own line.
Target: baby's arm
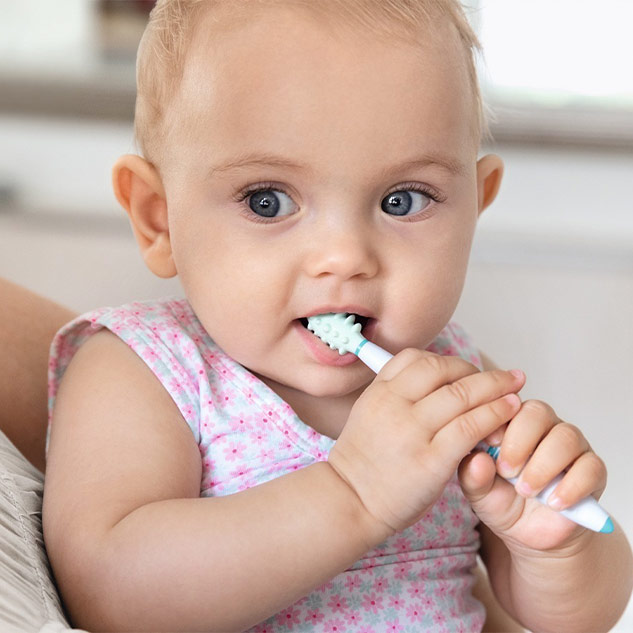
pixel 134 548
pixel 548 573
pixel 132 545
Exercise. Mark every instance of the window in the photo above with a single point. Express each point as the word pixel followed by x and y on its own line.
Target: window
pixel 558 68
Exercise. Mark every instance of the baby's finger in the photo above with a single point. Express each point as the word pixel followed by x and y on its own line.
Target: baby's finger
pixel 455 439
pixel 413 374
pixel 454 399
pixel 562 446
pixel 533 421
pixel 587 476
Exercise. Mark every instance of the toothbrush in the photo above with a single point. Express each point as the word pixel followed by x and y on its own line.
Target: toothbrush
pixel 340 332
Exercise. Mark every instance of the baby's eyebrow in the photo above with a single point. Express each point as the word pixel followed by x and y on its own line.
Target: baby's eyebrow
pixel 452 165
pixel 255 160
pixel 447 163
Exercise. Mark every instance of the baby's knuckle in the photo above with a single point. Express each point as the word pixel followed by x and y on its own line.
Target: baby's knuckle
pixel 498 376
pixel 460 392
pixel 434 363
pixel 568 434
pixel 596 467
pixel 412 354
pixel 468 427
pixel 538 408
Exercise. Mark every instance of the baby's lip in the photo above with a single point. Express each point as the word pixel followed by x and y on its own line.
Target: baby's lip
pixel 349 309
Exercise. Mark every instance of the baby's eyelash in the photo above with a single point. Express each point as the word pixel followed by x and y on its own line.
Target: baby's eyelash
pixel 432 193
pixel 240 196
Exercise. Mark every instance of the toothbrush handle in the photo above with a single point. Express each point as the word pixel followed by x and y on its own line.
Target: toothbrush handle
pixel 587 512
pixel 372 355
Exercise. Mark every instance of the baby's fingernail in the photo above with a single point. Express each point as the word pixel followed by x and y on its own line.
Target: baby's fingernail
pixel 524 489
pixel 555 503
pixel 505 469
pixel 517 373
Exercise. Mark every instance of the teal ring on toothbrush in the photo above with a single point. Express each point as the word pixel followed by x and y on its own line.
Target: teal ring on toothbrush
pixel 339 331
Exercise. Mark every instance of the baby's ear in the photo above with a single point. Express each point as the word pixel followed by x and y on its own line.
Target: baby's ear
pixel 139 189
pixel 489 174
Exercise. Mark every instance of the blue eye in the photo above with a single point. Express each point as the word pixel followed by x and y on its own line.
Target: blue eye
pixel 405 202
pixel 271 203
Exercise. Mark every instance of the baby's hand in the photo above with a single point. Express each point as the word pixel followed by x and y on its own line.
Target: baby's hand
pixel 410 429
pixel 539 446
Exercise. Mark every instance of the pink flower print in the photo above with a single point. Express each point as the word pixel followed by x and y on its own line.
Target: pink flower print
pixel 416 590
pixel 442 504
pixel 228 398
pixel 352 619
pixel 241 422
pixel 266 455
pixel 150 356
pixel 439 618
pixel 314 616
pixel 239 473
pixel 457 519
pixel 403 544
pixel 189 350
pixel 235 450
pixel 173 338
pixel 257 437
pixel 394 626
pixel 380 584
pixel 402 571
pixel 352 583
pixel 337 604
pixel 372 603
pixel 176 387
pixel 185 318
pixel 188 412
pixel 396 603
pixel 415 612
pixel 334 626
pixel 288 617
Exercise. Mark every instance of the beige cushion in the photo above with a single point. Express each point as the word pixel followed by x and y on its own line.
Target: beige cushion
pixel 28 597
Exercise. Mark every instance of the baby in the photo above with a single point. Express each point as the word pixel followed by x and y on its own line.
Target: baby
pixel 212 465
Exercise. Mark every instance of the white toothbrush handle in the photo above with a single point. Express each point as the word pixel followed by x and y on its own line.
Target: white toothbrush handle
pixel 372 355
pixel 587 512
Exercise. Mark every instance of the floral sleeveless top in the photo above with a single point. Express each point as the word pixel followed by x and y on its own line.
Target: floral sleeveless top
pixel 417 580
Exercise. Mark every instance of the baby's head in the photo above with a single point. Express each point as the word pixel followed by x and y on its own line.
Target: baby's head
pixel 163 51
pixel 302 157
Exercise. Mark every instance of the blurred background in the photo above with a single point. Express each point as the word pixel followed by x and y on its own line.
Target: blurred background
pixel 550 289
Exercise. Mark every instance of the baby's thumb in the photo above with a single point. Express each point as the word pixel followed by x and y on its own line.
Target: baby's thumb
pixel 476 476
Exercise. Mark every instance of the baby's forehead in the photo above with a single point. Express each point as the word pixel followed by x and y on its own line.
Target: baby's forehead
pixel 220 32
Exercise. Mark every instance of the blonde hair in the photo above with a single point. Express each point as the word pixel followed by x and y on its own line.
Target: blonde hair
pixel 162 52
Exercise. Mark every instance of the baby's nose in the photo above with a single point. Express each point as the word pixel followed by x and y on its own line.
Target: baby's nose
pixel 343 251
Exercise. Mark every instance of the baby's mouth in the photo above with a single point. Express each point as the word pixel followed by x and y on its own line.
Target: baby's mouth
pixel 363 320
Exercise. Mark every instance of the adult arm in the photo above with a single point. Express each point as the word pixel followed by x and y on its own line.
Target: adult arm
pixel 28 323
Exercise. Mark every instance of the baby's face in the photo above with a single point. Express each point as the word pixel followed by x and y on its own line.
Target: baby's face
pixel 320 171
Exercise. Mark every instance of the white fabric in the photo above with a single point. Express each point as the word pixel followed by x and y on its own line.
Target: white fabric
pixel 28 596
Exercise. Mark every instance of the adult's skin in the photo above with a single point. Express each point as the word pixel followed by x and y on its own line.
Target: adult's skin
pixel 28 323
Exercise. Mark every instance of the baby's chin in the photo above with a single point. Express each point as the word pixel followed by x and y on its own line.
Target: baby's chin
pixel 318 384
